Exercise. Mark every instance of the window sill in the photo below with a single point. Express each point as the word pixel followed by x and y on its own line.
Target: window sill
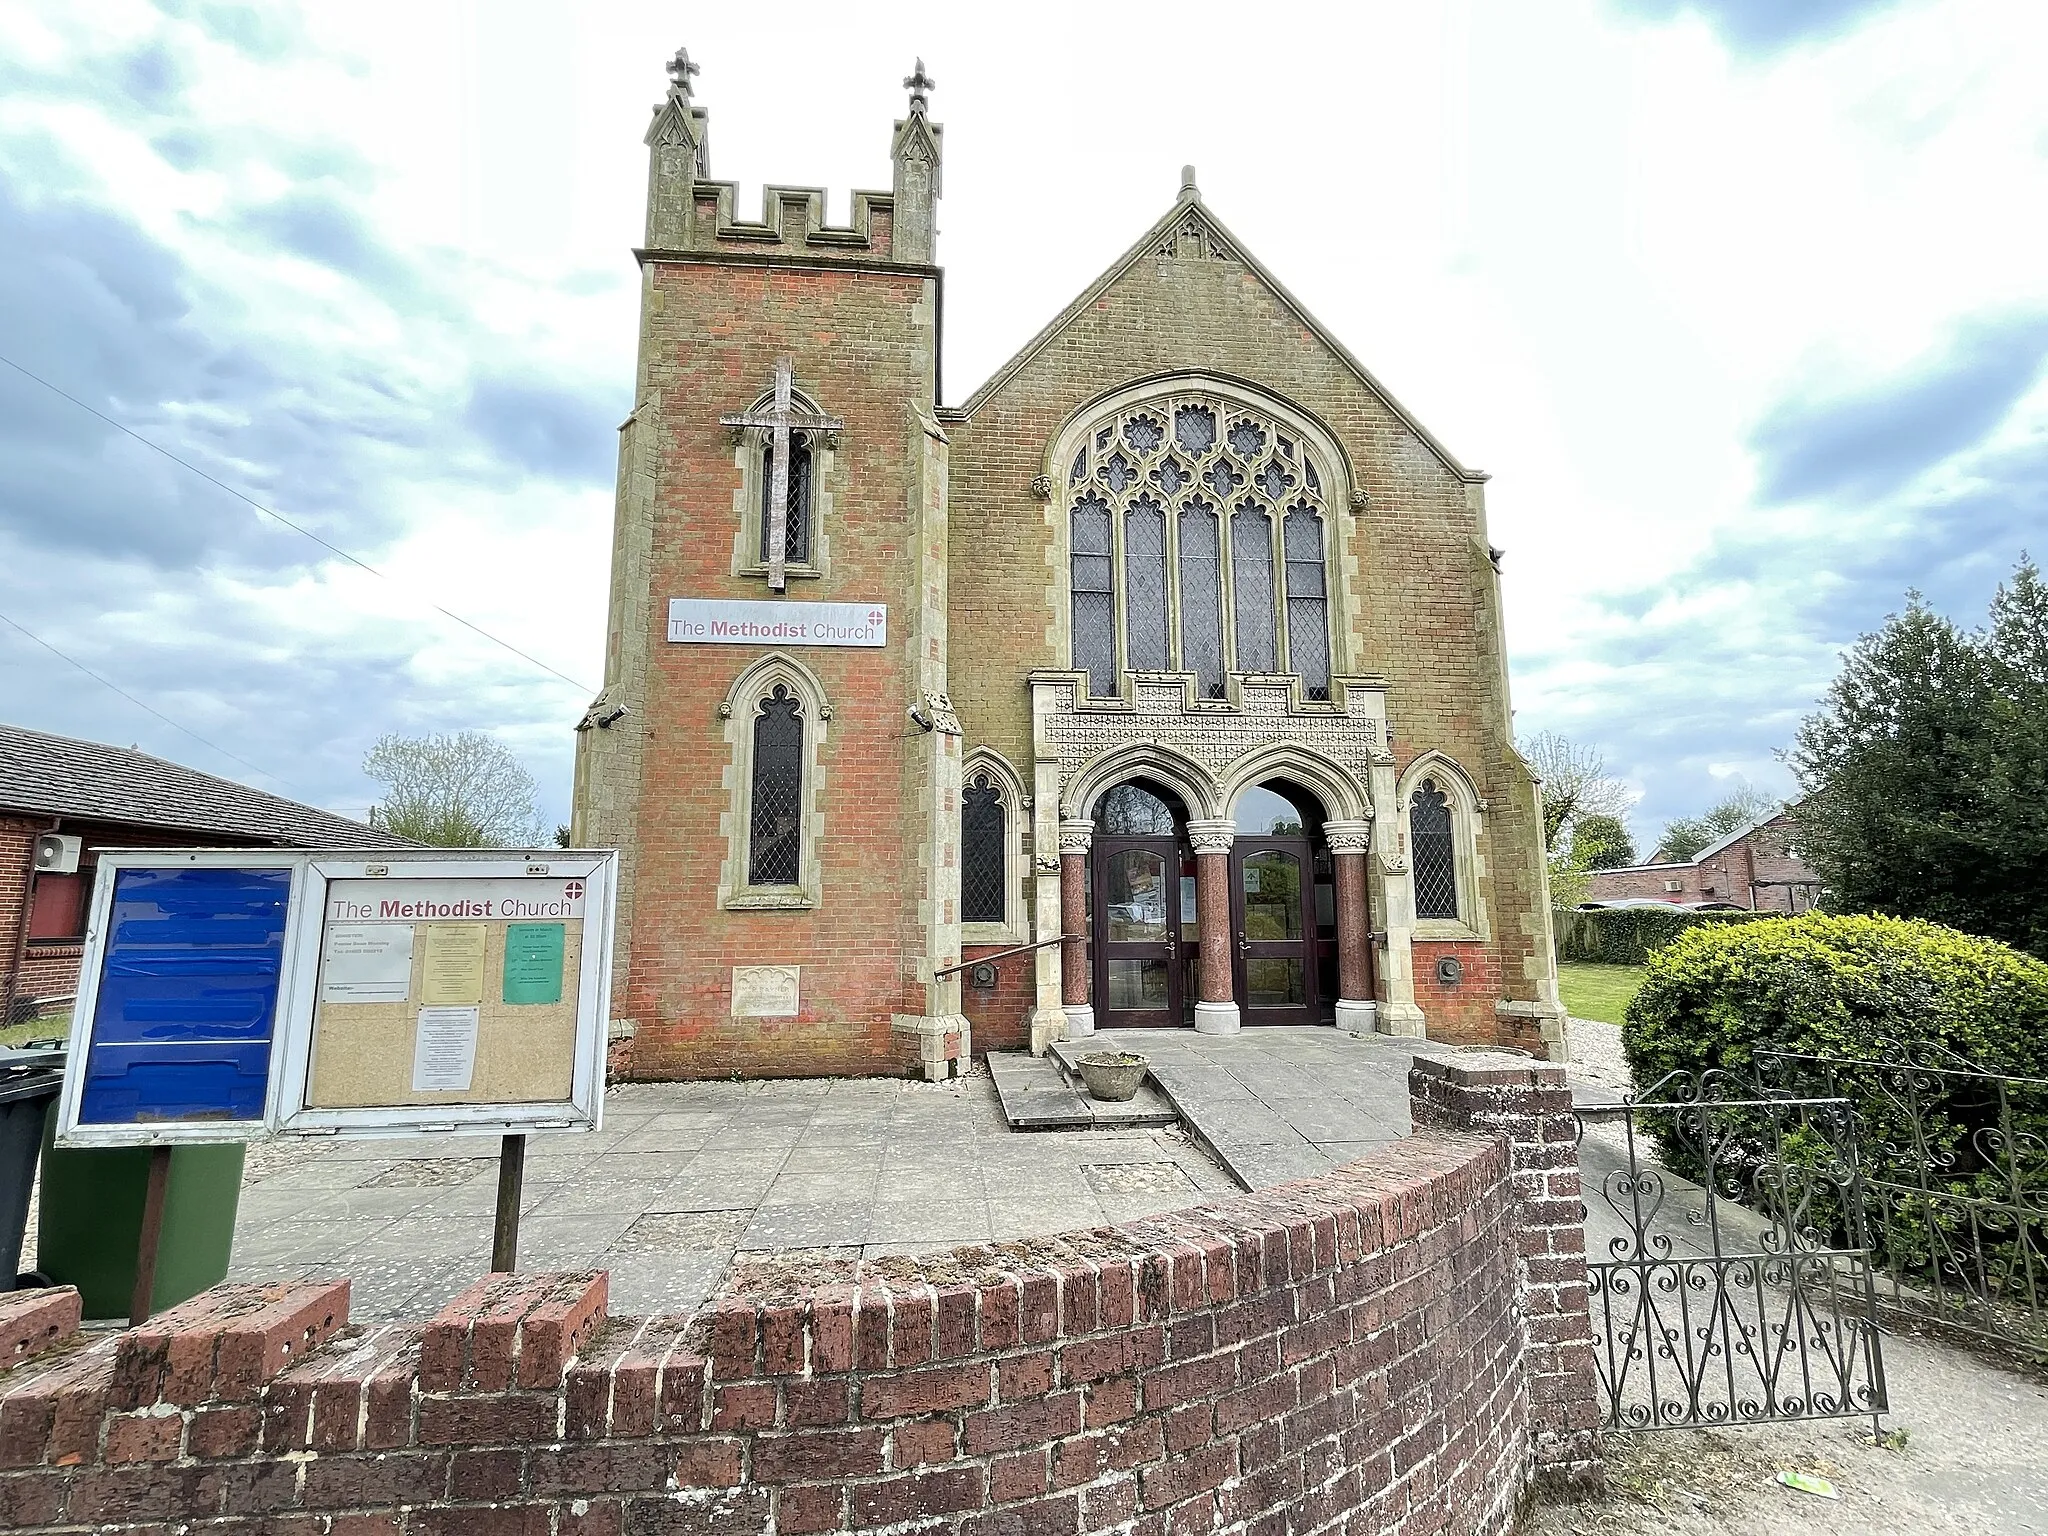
pixel 991 933
pixel 1444 931
pixel 793 572
pixel 50 946
pixel 772 898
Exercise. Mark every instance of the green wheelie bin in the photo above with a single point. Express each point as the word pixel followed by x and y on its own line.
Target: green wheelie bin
pixel 90 1221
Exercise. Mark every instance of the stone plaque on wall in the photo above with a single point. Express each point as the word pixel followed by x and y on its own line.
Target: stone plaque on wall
pixel 764 991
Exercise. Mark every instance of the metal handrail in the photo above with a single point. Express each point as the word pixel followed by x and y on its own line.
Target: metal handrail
pixel 1004 954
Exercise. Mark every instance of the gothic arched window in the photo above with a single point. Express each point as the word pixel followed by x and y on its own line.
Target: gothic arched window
pixel 1433 850
pixel 796 543
pixel 984 879
pixel 776 804
pixel 1196 543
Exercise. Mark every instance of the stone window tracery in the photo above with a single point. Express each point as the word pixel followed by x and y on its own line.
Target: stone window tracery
pixel 1197 543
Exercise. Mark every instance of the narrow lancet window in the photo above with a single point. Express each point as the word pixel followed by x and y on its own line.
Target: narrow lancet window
pixel 1145 585
pixel 1094 597
pixel 796 541
pixel 775 825
pixel 1433 851
pixel 1251 563
pixel 1201 598
pixel 982 850
pixel 1308 621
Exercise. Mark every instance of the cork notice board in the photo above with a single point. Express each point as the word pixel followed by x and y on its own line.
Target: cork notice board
pixel 446 992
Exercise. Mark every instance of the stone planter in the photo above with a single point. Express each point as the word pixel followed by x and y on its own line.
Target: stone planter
pixel 1112 1076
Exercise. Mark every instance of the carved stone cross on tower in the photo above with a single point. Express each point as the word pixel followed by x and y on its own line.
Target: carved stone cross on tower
pixel 780 422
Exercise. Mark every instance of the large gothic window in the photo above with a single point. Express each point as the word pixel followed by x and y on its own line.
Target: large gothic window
pixel 1196 540
pixel 983 879
pixel 796 542
pixel 1433 851
pixel 775 821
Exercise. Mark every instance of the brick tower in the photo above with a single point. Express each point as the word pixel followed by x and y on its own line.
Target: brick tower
pixel 774 753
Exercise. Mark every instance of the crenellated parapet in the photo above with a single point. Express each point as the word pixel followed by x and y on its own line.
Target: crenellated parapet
pixel 687 211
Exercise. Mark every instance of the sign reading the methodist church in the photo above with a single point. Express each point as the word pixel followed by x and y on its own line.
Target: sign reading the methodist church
pixel 725 621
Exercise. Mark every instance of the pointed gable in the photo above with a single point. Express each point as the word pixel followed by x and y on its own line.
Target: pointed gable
pixel 1190 234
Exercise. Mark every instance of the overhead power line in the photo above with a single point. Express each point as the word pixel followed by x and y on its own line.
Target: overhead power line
pixel 271 512
pixel 167 720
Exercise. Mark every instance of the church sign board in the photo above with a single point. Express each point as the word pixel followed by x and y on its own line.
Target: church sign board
pixel 232 994
pixel 733 621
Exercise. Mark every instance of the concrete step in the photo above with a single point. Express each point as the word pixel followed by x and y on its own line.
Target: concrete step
pixel 1040 1093
pixel 1147 1107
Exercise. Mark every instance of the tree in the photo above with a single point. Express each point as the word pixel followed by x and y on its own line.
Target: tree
pixel 460 791
pixel 1572 781
pixel 1602 842
pixel 1685 836
pixel 1926 770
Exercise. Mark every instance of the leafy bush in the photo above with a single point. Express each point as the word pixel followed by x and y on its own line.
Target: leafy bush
pixel 1955 1165
pixel 1627 935
pixel 1862 987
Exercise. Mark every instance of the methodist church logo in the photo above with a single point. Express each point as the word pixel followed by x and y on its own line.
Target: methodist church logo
pixel 728 621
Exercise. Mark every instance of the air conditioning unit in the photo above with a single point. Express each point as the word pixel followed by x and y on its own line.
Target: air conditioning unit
pixel 57 854
pixel 1674 886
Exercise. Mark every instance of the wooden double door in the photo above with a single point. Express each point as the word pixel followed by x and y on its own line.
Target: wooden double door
pixel 1148 935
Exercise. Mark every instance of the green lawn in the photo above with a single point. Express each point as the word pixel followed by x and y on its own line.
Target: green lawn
pixel 51 1026
pixel 1598 991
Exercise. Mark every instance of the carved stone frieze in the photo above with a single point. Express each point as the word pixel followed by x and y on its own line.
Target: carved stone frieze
pixel 1349 735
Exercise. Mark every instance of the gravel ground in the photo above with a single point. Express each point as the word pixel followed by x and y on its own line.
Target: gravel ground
pixel 1596 1054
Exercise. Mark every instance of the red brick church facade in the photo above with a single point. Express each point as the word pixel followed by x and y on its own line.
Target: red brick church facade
pixel 1167 667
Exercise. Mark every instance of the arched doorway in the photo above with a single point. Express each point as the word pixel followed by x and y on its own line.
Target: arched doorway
pixel 1141 905
pixel 1283 907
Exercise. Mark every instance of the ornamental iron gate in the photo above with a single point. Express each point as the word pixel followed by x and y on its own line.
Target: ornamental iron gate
pixel 1729 1273
pixel 1954 1167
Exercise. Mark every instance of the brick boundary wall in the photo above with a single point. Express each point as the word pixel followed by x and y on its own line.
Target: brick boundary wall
pixel 1399 1346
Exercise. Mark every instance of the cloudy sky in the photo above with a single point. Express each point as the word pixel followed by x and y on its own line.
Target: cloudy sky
pixel 1743 304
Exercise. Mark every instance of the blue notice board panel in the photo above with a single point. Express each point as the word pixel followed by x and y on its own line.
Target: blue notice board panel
pixel 186 1009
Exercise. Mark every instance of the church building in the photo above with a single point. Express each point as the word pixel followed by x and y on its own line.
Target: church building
pixel 1160 682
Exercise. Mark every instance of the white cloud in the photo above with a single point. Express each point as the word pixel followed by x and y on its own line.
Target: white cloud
pixel 1597 245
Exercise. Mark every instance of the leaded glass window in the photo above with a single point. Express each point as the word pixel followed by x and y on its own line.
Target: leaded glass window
pixel 1201 597
pixel 1185 509
pixel 1433 852
pixel 1145 585
pixel 796 543
pixel 1308 623
pixel 1094 596
pixel 982 851
pixel 775 825
pixel 1251 561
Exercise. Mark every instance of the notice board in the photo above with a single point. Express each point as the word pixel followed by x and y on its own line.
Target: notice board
pixel 446 991
pixel 229 993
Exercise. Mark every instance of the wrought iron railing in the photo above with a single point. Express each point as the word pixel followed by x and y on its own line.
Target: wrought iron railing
pixel 1727 1269
pixel 1955 1184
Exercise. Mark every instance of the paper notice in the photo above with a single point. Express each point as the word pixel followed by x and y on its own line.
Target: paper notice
pixel 444 1052
pixel 366 963
pixel 533 962
pixel 453 971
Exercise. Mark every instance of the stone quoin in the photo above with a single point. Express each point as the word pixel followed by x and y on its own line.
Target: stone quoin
pixel 1174 650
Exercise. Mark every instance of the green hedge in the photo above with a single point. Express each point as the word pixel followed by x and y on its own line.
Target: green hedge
pixel 1843 986
pixel 1629 935
pixel 1877 990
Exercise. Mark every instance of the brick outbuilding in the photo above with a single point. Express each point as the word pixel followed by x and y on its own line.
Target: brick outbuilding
pixel 1755 867
pixel 112 797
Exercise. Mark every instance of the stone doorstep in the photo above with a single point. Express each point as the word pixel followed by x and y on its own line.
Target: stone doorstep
pixel 1038 1093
